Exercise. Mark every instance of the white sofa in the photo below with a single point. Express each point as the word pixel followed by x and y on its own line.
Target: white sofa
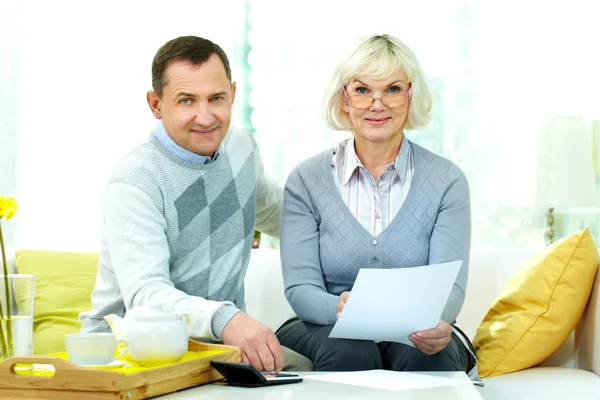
pixel 571 373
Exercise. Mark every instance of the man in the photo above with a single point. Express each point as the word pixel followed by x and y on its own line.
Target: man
pixel 180 210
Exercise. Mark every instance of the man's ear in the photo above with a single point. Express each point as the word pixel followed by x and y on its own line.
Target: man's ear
pixel 154 102
pixel 233 86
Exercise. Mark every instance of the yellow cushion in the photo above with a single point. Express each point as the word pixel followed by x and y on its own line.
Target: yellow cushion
pixel 539 308
pixel 63 285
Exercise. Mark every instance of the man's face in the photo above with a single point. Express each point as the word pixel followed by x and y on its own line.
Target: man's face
pixel 196 104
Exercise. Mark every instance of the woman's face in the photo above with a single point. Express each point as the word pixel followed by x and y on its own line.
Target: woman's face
pixel 382 121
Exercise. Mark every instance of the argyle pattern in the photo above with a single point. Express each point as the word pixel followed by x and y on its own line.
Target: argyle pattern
pixel 210 210
pixel 345 246
pixel 210 224
pixel 209 214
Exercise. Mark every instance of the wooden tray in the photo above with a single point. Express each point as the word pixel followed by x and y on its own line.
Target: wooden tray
pixel 71 382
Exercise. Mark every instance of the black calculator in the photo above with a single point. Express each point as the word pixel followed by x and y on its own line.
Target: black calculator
pixel 242 374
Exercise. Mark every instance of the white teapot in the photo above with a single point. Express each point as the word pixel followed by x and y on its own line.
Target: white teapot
pixel 154 336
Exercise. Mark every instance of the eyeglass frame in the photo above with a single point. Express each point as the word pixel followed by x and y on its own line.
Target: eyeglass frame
pixel 380 98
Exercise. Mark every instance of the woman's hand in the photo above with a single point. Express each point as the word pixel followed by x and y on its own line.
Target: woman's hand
pixel 340 305
pixel 434 340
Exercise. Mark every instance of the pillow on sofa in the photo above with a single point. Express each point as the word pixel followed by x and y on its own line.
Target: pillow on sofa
pixel 539 308
pixel 63 285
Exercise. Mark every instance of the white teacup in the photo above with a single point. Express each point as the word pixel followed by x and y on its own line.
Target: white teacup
pixel 93 348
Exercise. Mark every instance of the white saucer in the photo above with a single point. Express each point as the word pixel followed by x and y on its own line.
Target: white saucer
pixel 112 365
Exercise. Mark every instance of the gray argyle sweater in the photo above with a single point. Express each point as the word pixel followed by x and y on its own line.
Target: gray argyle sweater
pixel 179 234
pixel 323 246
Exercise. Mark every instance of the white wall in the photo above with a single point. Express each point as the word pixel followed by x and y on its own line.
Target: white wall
pixel 84 69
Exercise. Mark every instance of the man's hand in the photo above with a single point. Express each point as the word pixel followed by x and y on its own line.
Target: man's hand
pixel 434 340
pixel 340 305
pixel 258 343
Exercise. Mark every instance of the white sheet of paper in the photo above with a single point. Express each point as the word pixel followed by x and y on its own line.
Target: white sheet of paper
pixel 390 380
pixel 391 304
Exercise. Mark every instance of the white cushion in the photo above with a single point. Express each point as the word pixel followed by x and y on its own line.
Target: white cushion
pixel 265 299
pixel 489 272
pixel 552 383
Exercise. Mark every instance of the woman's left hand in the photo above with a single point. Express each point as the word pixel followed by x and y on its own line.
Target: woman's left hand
pixel 341 303
pixel 434 340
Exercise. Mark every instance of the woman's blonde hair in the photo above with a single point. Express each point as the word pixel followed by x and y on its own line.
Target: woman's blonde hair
pixel 378 57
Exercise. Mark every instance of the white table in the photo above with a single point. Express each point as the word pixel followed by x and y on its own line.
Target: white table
pixel 316 390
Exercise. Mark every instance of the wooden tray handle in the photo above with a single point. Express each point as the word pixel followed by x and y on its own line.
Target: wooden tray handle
pixel 67 377
pixel 7 367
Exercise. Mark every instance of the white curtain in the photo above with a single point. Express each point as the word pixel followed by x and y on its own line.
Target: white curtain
pixel 498 71
pixel 76 103
pixel 84 69
pixel 8 110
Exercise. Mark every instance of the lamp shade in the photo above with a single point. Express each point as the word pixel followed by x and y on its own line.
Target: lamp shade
pixel 565 175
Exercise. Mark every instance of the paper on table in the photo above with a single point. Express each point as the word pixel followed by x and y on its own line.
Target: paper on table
pixel 391 304
pixel 390 380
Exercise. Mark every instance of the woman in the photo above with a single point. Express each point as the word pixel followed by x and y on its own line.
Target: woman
pixel 374 201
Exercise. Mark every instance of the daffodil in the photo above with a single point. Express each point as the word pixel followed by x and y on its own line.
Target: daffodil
pixel 8 207
pixel 9 212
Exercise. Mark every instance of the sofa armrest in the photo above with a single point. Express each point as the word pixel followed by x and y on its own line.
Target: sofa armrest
pixel 587 335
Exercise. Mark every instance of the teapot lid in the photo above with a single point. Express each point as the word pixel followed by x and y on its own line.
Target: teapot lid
pixel 154 313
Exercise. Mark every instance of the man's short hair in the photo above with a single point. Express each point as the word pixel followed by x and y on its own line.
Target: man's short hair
pixel 378 57
pixel 194 49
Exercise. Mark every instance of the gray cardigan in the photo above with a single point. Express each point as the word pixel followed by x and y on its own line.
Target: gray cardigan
pixel 323 246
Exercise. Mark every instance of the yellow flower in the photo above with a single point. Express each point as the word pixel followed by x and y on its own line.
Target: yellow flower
pixel 8 207
pixel 10 211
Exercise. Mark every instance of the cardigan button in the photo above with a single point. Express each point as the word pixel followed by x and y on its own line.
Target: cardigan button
pixel 374 241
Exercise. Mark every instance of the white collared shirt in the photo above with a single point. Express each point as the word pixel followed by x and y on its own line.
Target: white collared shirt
pixel 163 138
pixel 374 203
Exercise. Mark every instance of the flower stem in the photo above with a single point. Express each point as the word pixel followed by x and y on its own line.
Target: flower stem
pixel 7 346
pixel 2 341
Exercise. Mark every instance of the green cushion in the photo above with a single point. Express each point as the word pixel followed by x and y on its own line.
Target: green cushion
pixel 63 285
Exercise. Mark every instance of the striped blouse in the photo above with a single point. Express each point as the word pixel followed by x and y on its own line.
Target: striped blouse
pixel 374 203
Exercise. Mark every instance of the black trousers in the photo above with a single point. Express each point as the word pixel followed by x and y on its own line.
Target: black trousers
pixel 313 342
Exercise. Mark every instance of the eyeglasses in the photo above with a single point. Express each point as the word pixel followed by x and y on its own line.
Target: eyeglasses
pixel 389 100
